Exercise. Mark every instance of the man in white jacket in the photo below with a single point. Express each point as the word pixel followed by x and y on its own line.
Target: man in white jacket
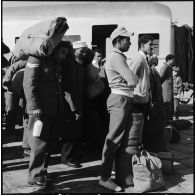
pixel 139 65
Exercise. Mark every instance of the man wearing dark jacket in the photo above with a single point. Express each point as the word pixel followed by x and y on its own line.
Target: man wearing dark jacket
pixel 15 98
pixel 167 85
pixel 45 101
pixel 72 84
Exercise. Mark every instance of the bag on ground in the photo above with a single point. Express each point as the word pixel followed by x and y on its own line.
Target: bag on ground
pixel 147 174
pixel 41 38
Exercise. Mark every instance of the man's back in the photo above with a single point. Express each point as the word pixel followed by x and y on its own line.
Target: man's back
pixel 167 82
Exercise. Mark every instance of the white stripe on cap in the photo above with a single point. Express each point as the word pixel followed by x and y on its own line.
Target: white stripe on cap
pixel 32 65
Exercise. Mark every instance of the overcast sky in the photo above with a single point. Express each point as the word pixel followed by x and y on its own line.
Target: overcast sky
pixel 182 11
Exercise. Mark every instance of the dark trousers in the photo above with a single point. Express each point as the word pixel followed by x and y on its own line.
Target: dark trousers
pixel 99 103
pixel 141 108
pixel 96 122
pixel 168 111
pixel 46 143
pixel 176 107
pixel 120 109
pixel 70 134
pixel 25 143
pixel 12 105
pixel 69 151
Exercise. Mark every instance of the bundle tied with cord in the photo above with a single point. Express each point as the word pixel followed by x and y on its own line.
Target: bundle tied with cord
pixel 41 38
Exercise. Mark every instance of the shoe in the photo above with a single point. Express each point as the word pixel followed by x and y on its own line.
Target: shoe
pixel 46 175
pixel 110 185
pixel 42 183
pixel 26 153
pixel 73 163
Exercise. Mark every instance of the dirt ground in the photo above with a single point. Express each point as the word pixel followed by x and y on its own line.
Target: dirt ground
pixel 85 179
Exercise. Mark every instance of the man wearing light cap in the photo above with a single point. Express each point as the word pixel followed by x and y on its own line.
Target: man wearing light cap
pixel 79 51
pixel 119 104
pixel 79 48
pixel 70 149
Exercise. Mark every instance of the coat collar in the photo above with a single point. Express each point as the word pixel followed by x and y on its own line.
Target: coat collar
pixel 143 54
pixel 118 51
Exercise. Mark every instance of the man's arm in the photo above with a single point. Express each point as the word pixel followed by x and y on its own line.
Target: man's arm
pixel 136 66
pixel 71 89
pixel 163 72
pixel 7 80
pixel 120 65
pixel 30 85
pixel 102 73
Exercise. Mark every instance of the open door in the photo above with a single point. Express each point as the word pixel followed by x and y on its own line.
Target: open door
pixel 99 35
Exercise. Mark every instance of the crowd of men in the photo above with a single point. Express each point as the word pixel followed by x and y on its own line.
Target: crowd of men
pixel 110 106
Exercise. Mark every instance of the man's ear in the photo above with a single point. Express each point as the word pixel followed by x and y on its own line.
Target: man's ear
pixel 142 45
pixel 118 40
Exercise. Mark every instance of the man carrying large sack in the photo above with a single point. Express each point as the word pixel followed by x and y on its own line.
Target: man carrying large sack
pixel 42 89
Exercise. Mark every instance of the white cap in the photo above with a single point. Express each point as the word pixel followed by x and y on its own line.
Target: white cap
pixel 79 44
pixel 121 31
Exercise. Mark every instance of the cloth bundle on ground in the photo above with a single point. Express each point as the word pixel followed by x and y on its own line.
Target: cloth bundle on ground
pixel 41 38
pixel 181 124
pixel 147 174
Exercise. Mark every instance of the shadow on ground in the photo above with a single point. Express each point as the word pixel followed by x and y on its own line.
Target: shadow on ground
pixel 85 180
pixel 17 137
pixel 15 166
pixel 10 153
pixel 76 181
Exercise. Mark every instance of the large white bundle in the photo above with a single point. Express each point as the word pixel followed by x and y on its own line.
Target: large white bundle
pixel 41 38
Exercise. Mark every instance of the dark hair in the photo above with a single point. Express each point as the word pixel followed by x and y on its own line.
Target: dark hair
pixel 98 51
pixel 114 41
pixel 87 57
pixel 144 39
pixel 68 45
pixel 153 61
pixel 169 57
